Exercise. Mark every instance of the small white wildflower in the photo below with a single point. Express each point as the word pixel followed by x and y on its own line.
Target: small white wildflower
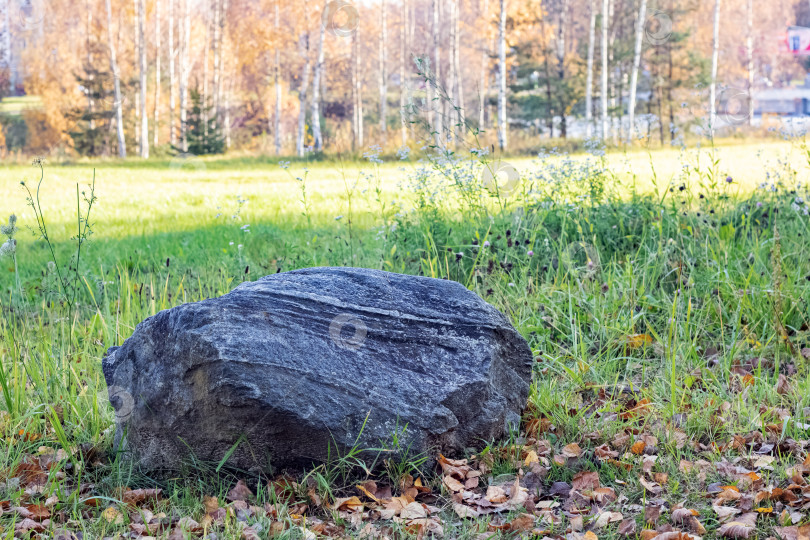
pixel 338 218
pixel 8 248
pixel 230 243
pixel 10 229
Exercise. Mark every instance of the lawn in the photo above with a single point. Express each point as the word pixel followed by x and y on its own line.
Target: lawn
pixel 664 296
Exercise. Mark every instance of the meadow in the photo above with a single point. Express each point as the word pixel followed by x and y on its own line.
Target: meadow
pixel 663 293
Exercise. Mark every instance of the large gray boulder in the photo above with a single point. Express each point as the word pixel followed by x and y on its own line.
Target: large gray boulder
pixel 283 367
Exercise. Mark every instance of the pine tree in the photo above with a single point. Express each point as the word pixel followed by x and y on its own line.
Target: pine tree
pixel 204 134
pixel 91 134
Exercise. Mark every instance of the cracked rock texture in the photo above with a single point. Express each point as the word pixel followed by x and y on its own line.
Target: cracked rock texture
pixel 283 367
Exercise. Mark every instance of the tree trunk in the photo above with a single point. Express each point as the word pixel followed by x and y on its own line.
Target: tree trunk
pixel 604 87
pixel 316 89
pixel 88 50
pixel 631 106
pixel 206 49
pixel 715 58
pixel 142 43
pixel 561 66
pixel 436 76
pixel 502 120
pixel 459 90
pixel 277 116
pixel 302 89
pixel 484 80
pixel 452 75
pixel 357 91
pixel 157 73
pixel 119 117
pixel 403 75
pixel 749 46
pixel 172 79
pixel 217 46
pixel 5 36
pixel 589 75
pixel 383 58
pixel 137 63
pixel 185 70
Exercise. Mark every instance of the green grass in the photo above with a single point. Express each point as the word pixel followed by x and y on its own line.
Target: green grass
pixel 692 268
pixel 15 105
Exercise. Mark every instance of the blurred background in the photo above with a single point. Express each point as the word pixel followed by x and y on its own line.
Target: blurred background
pixel 91 78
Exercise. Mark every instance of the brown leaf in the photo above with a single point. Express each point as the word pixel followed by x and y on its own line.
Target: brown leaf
pixel 585 480
pixel 348 504
pixel 742 527
pixel 638 448
pixel 522 523
pixel 627 527
pixel 496 495
pixel 783 386
pixel 211 504
pixel 137 496
pixel 249 533
pixel 636 341
pixel 240 492
pixel 452 484
pixel 652 487
pixel 572 450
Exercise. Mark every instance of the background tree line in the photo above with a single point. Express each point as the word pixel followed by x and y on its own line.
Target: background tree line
pixel 124 77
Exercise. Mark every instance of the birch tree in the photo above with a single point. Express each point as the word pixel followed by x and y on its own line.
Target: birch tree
pixel 589 73
pixel 383 56
pixel 304 85
pixel 155 122
pixel 604 87
pixel 357 95
pixel 316 89
pixel 502 121
pixel 119 117
pixel 715 58
pixel 403 76
pixel 458 91
pixel 172 79
pixel 217 46
pixel 483 85
pixel 631 106
pixel 5 35
pixel 277 76
pixel 144 139
pixel 561 26
pixel 185 70
pixel 749 49
pixel 436 75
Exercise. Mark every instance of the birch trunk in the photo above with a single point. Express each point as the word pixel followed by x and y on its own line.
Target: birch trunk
pixel 217 57
pixel 357 91
pixel 142 41
pixel 749 46
pixel 436 75
pixel 403 55
pixel 589 76
pixel 316 89
pixel 502 120
pixel 156 120
pixel 5 35
pixel 459 89
pixel 604 87
pixel 383 56
pixel 302 90
pixel 277 116
pixel 206 49
pixel 119 117
pixel 484 81
pixel 185 69
pixel 631 106
pixel 561 65
pixel 715 58
pixel 172 79
pixel 137 63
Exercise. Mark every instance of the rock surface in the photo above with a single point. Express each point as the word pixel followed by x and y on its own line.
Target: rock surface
pixel 295 362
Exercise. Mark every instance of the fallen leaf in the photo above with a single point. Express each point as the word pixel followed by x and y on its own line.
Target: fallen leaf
pixel 240 492
pixel 572 450
pixel 742 527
